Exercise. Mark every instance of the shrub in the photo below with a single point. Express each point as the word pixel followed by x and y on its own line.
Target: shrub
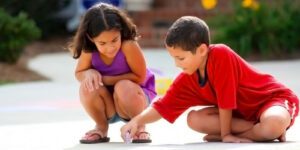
pixel 269 29
pixel 41 11
pixel 16 32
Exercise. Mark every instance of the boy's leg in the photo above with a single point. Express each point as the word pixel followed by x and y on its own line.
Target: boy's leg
pixel 272 125
pixel 130 100
pixel 207 121
pixel 99 106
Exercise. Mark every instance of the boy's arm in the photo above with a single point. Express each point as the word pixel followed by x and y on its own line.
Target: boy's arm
pixel 149 115
pixel 225 124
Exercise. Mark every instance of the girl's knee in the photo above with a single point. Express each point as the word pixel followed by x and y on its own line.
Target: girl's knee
pixel 84 92
pixel 123 84
pixel 129 96
pixel 126 89
pixel 87 95
pixel 129 100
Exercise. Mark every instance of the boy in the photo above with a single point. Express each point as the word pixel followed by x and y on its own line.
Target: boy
pixel 245 104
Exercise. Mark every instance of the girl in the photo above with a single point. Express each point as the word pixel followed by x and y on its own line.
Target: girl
pixel 114 81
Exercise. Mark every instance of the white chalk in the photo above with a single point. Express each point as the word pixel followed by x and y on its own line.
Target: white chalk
pixel 127 138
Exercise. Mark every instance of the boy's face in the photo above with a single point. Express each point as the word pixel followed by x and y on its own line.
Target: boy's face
pixel 186 60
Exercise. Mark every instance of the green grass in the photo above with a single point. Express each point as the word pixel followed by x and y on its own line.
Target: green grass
pixel 5 82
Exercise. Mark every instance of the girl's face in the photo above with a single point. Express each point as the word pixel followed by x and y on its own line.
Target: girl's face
pixel 186 60
pixel 108 43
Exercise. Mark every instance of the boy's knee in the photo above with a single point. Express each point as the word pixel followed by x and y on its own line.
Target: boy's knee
pixel 190 118
pixel 194 120
pixel 271 133
pixel 274 127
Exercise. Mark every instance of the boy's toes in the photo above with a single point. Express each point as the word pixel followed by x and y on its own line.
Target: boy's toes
pixel 212 138
pixel 282 138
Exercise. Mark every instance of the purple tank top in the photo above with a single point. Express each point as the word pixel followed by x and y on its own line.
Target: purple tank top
pixel 120 66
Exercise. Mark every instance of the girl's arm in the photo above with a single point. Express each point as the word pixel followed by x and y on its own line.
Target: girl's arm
pixel 136 62
pixel 89 78
pixel 84 63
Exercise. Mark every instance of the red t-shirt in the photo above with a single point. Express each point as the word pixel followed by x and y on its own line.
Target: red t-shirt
pixel 231 83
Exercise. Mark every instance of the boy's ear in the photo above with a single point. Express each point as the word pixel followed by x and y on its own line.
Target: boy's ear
pixel 202 49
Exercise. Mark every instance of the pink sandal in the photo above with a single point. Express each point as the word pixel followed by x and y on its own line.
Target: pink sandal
pixel 94 132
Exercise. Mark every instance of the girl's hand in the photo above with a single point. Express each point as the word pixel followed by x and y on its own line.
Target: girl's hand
pixel 92 80
pixel 229 138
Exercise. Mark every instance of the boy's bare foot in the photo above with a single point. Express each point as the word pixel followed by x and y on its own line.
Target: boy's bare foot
pixel 212 138
pixel 282 138
pixel 217 138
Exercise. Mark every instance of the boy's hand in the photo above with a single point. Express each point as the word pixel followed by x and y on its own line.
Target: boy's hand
pixel 92 80
pixel 131 127
pixel 229 138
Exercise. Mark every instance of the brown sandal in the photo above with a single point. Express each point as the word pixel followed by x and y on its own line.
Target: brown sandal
pixel 142 140
pixel 100 139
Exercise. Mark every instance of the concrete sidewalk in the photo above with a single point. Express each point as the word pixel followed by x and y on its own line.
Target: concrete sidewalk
pixel 48 115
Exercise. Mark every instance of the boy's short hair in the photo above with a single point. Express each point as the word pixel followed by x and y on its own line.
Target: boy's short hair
pixel 188 32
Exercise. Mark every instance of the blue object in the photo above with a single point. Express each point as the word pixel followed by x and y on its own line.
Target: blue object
pixel 74 11
pixel 89 3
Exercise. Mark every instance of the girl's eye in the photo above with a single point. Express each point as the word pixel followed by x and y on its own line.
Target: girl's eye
pixel 100 43
pixel 180 59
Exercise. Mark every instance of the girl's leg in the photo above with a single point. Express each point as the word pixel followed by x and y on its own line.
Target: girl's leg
pixel 130 100
pixel 206 121
pixel 99 106
pixel 272 125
